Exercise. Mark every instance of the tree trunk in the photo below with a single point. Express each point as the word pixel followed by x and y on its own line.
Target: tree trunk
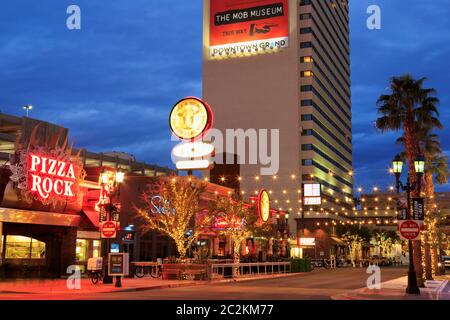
pixel 431 233
pixel 427 256
pixel 411 154
pixel 236 256
pixel 435 261
pixel 182 250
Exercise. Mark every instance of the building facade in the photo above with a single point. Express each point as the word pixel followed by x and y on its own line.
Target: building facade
pixel 296 81
pixel 40 237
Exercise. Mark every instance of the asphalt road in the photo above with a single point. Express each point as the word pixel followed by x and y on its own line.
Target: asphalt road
pixel 318 285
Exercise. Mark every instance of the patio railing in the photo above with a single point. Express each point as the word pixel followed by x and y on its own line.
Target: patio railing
pixel 236 270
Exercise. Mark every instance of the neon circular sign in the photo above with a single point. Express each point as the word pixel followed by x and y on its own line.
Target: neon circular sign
pixel 264 205
pixel 190 119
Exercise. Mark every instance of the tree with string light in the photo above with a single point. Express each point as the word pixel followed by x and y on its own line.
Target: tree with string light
pixel 178 213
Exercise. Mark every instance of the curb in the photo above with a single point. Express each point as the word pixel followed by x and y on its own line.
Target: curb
pixel 203 283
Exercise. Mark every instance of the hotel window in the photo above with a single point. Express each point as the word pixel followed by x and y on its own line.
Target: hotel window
pixel 307 117
pixel 306 103
pixel 307 162
pixel 305 2
pixel 305 16
pixel 307 74
pixel 307 132
pixel 305 30
pixel 306 88
pixel 305 44
pixel 19 247
pixel 307 59
pixel 307 147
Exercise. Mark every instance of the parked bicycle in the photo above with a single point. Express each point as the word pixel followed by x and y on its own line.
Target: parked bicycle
pixel 96 276
pixel 154 269
pixel 95 266
pixel 320 263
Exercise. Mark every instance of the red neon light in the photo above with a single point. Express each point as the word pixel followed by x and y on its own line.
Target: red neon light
pixel 52 178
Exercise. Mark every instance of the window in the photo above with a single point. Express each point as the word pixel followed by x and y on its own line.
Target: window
pixel 19 247
pixel 305 44
pixel 307 117
pixel 306 88
pixel 306 103
pixel 81 250
pixel 96 249
pixel 307 147
pixel 305 16
pixel 305 30
pixel 305 2
pixel 307 74
pixel 307 162
pixel 307 132
pixel 307 59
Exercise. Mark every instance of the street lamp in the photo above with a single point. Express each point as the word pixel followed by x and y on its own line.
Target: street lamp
pixel 397 165
pixel 111 181
pixel 28 107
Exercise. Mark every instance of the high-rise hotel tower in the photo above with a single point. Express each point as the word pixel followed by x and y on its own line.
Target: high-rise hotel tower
pixel 284 64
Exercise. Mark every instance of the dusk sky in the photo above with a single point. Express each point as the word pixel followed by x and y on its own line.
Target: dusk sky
pixel 113 82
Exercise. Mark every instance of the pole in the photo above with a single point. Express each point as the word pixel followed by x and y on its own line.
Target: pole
pixel 106 277
pixel 412 287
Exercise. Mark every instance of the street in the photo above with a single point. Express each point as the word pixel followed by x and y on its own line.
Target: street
pixel 321 284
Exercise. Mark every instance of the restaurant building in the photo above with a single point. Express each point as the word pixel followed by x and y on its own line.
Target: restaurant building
pixel 48 197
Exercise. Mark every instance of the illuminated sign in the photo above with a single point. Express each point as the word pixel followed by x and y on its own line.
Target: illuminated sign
pixel 306 242
pixel 264 205
pixel 52 178
pixel 244 27
pixel 191 119
pixel 221 223
pixel 312 194
pixel 194 165
pixel 193 150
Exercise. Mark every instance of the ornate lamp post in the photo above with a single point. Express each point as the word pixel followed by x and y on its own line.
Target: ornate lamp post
pixel 111 181
pixel 397 165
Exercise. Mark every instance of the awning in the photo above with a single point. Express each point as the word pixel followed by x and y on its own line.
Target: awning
pixel 38 217
pixel 338 242
pixel 93 216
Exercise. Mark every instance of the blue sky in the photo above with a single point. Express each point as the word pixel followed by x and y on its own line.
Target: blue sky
pixel 114 82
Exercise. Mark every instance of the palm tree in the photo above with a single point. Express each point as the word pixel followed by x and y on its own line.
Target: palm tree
pixel 436 170
pixel 436 167
pixel 408 107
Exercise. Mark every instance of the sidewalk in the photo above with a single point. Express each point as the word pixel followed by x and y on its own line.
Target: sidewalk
pixel 59 286
pixel 438 289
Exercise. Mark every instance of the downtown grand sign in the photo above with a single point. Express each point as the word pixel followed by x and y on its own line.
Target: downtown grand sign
pixel 247 27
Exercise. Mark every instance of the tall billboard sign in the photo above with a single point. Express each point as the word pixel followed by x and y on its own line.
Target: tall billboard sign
pixel 247 27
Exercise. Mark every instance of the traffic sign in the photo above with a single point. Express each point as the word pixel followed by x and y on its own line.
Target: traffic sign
pixel 108 229
pixel 409 230
pixel 418 209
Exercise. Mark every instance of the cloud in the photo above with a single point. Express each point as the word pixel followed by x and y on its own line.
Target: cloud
pixel 114 82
